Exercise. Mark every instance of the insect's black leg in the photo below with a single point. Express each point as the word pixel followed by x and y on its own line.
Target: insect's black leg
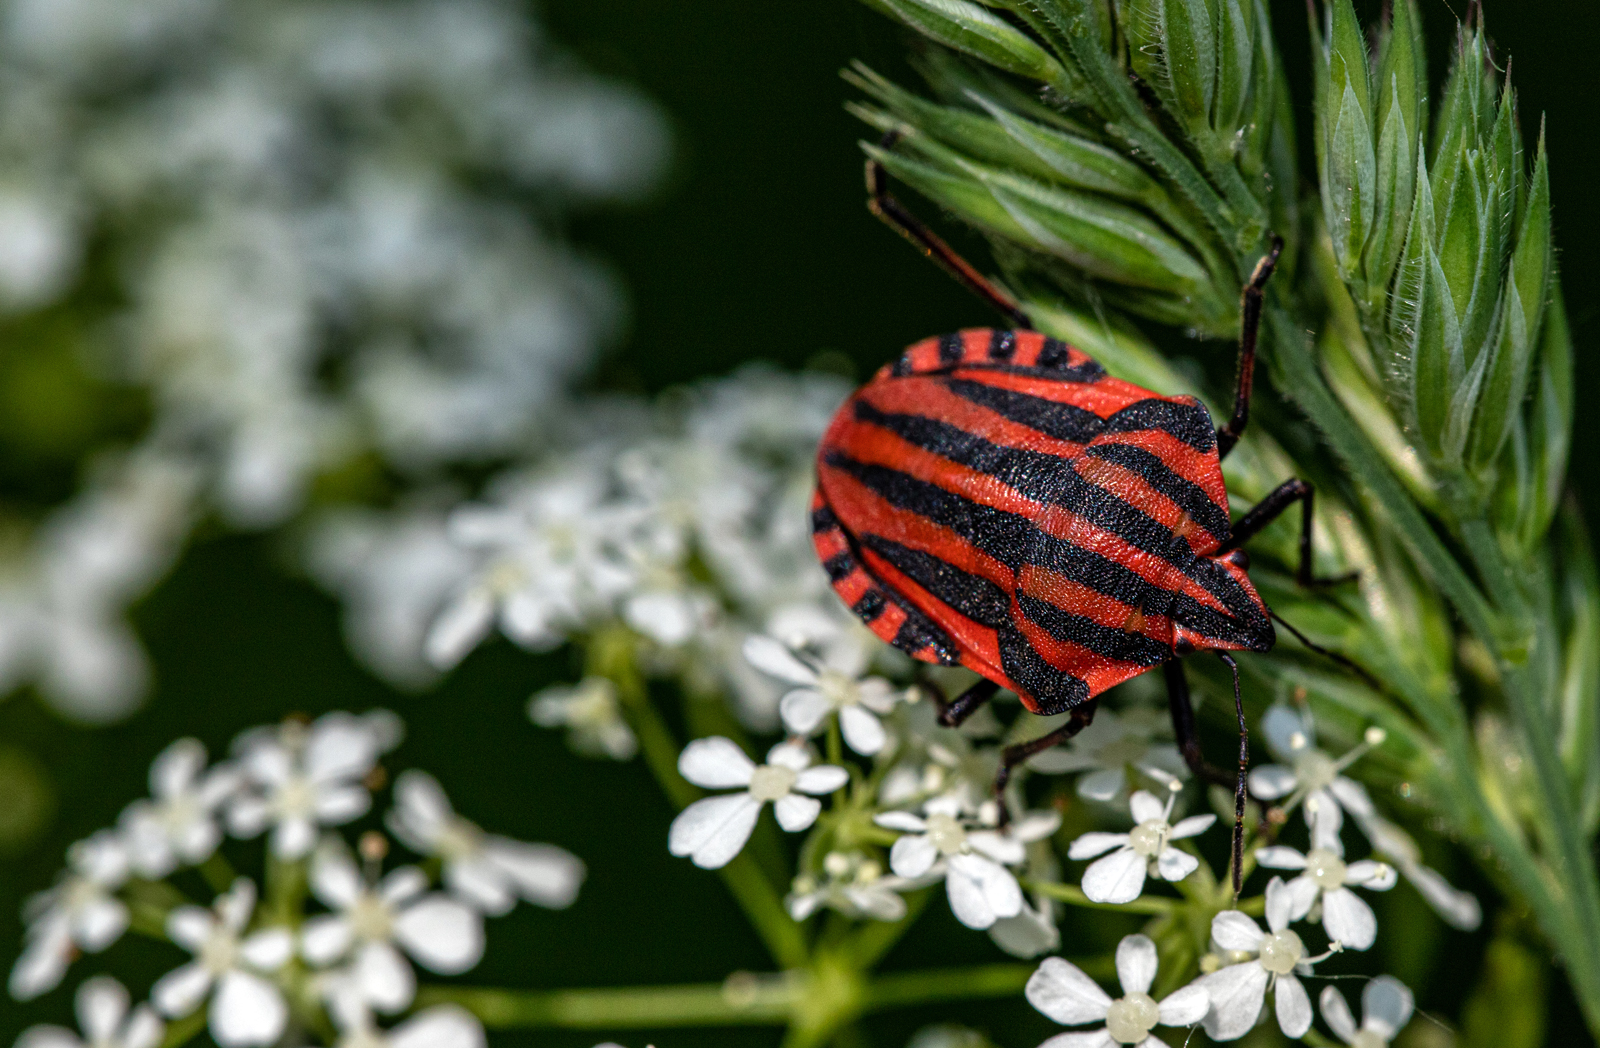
pixel 953 714
pixel 1183 727
pixel 1012 756
pixel 1268 510
pixel 1239 782
pixel 883 204
pixel 1249 328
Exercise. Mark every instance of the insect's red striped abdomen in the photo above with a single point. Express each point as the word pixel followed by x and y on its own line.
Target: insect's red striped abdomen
pixel 994 498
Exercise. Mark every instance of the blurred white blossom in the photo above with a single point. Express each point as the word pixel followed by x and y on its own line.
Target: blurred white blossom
pixel 82 912
pixel 713 830
pixel 105 1019
pixel 1386 1007
pixel 592 715
pixel 178 825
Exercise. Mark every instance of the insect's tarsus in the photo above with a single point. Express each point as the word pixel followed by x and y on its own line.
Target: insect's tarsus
pixel 884 204
pixel 1250 300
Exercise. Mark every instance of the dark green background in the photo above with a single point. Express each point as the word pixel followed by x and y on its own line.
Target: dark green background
pixel 758 247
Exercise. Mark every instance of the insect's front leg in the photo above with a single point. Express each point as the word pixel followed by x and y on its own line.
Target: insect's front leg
pixel 1269 509
pixel 954 714
pixel 1011 756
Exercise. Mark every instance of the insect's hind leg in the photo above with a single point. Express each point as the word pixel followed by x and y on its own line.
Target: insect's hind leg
pixel 1081 717
pixel 1183 729
pixel 1269 509
pixel 952 714
pixel 1250 302
pixel 884 204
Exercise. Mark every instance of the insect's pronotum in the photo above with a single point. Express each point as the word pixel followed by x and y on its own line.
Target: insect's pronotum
pixel 993 499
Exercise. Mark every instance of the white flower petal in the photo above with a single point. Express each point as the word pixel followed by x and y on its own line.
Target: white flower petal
pixel 1237 993
pixel 325 938
pixel 1271 781
pixel 1102 785
pixel 863 732
pixel 543 873
pixel 1280 857
pixel 1100 1038
pixel 792 755
pixel 1089 845
pixel 42 965
pixel 1336 1013
pixel 824 778
pixel 1136 963
pixel 913 855
pixel 1192 826
pixel 190 926
pixel 248 816
pixel 247 1010
pixel 480 882
pixel 293 838
pixel 341 747
pixel 180 991
pixel 421 802
pixel 100 1004
pixel 803 710
pixel 1371 875
pixel 143 1029
pixel 1232 930
pixel 715 763
pixel 1035 826
pixel 1352 795
pixel 1386 1004
pixel 1293 1006
pixel 176 767
pixel 1287 733
pixel 1065 994
pixel 981 891
pixel 903 821
pixel 1028 934
pixel 100 923
pixel 337 805
pixel 459 629
pixel 1348 920
pixel 1146 807
pixel 1002 848
pixel 384 978
pixel 443 1026
pixel 1280 904
pixel 42 1036
pixel 1459 909
pixel 1302 894
pixel 268 949
pixel 713 830
pixel 335 881
pixel 796 813
pixel 775 660
pixel 1175 865
pixel 1117 878
pixel 442 934
pixel 1185 1006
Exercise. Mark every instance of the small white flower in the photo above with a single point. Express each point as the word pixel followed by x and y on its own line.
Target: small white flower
pixel 1306 773
pixel 823 690
pixel 103 1016
pixel 1064 993
pixel 177 825
pixel 1268 959
pixel 370 921
pixel 81 912
pixel 246 1009
pixel 972 861
pixel 711 831
pixel 1386 1007
pixel 304 776
pixel 486 870
pixel 1146 849
pixel 1460 909
pixel 1322 891
pixel 592 715
pixel 1118 741
pixel 852 884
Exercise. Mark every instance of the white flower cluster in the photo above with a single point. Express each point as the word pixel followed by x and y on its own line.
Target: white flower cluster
pixel 686 523
pixel 315 212
pixel 258 960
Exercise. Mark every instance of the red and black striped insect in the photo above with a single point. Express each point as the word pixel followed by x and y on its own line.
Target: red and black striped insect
pixel 993 499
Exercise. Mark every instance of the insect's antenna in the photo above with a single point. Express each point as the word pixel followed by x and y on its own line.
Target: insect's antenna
pixel 1238 783
pixel 1347 663
pixel 884 204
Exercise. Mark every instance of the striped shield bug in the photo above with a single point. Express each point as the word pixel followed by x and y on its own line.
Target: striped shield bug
pixel 994 499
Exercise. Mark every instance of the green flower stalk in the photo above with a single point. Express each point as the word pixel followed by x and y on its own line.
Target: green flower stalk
pixel 1127 162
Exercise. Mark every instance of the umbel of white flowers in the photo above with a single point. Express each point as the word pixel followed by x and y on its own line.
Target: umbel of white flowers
pixel 362 945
